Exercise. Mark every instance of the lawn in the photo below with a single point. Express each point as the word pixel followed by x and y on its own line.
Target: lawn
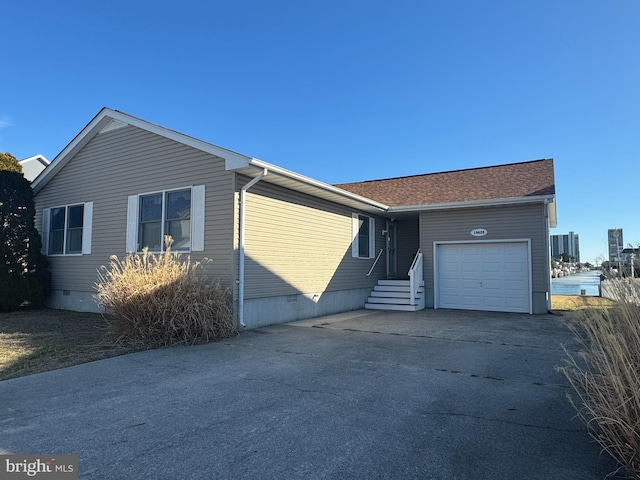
pixel 33 341
pixel 575 302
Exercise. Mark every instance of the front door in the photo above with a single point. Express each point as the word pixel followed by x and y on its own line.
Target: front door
pixel 392 251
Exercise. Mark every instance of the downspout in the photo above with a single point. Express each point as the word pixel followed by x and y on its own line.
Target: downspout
pixel 243 192
pixel 548 249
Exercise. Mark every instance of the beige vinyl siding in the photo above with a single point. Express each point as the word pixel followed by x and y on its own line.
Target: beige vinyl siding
pixel 129 161
pixel 300 244
pixel 501 223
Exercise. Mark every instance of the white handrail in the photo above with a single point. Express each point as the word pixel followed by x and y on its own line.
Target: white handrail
pixel 415 259
pixel 415 277
pixel 375 262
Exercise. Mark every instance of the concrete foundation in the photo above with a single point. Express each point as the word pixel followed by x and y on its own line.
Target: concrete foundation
pixel 73 300
pixel 260 312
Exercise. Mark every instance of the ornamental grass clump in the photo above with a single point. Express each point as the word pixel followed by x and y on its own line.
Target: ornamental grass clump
pixel 605 375
pixel 163 299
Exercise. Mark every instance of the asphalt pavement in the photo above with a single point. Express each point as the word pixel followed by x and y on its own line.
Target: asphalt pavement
pixel 436 394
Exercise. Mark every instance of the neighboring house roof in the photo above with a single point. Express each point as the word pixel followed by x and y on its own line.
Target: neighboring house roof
pixel 515 180
pixel 33 166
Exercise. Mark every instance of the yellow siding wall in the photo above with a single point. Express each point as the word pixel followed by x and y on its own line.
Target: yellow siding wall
pixel 300 244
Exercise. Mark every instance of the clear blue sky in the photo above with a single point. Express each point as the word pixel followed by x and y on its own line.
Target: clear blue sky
pixel 350 90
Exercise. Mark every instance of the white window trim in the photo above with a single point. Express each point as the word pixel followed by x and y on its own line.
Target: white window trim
pixel 87 228
pixel 355 228
pixel 197 216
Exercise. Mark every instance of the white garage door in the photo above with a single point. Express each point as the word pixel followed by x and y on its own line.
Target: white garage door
pixel 483 276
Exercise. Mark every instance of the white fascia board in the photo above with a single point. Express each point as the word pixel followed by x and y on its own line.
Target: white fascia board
pixel 104 117
pixel 316 183
pixel 231 158
pixel 473 203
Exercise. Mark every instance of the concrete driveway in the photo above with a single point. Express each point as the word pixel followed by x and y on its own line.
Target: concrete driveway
pixel 435 394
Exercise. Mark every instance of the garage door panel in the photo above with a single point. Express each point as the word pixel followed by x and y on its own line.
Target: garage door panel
pixel 451 290
pixel 469 284
pixel 450 300
pixel 472 301
pixel 495 284
pixel 492 249
pixel 490 302
pixel 471 267
pixel 516 286
pixel 484 276
pixel 515 305
pixel 452 268
pixel 515 250
pixel 450 282
pixel 491 267
pixel 514 267
pixel 451 294
pixel 452 253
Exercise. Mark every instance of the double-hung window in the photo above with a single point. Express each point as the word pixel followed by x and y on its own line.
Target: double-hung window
pixel 167 213
pixel 363 236
pixel 176 213
pixel 66 230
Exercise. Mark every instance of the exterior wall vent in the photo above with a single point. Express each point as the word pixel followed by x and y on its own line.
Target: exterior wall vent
pixel 113 125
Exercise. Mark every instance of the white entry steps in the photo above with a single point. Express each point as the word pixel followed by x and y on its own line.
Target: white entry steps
pixel 395 295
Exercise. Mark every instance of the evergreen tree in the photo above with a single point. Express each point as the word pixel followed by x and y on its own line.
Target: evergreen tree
pixel 24 273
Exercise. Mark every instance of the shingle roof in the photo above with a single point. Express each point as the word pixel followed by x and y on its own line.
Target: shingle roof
pixel 513 180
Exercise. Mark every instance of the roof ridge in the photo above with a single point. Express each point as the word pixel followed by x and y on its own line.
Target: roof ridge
pixel 448 171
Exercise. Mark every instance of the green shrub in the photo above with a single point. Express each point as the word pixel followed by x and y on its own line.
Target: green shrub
pixel 605 375
pixel 161 300
pixel 24 272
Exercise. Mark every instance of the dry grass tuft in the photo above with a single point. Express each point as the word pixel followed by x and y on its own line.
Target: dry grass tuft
pixel 161 300
pixel 605 376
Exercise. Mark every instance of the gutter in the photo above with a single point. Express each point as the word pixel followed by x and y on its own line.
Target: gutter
pixel 243 201
pixel 472 203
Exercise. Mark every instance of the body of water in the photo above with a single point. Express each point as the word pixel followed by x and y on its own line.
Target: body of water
pixel 572 284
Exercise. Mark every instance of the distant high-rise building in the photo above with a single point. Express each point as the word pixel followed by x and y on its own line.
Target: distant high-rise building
pixel 569 244
pixel 616 244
